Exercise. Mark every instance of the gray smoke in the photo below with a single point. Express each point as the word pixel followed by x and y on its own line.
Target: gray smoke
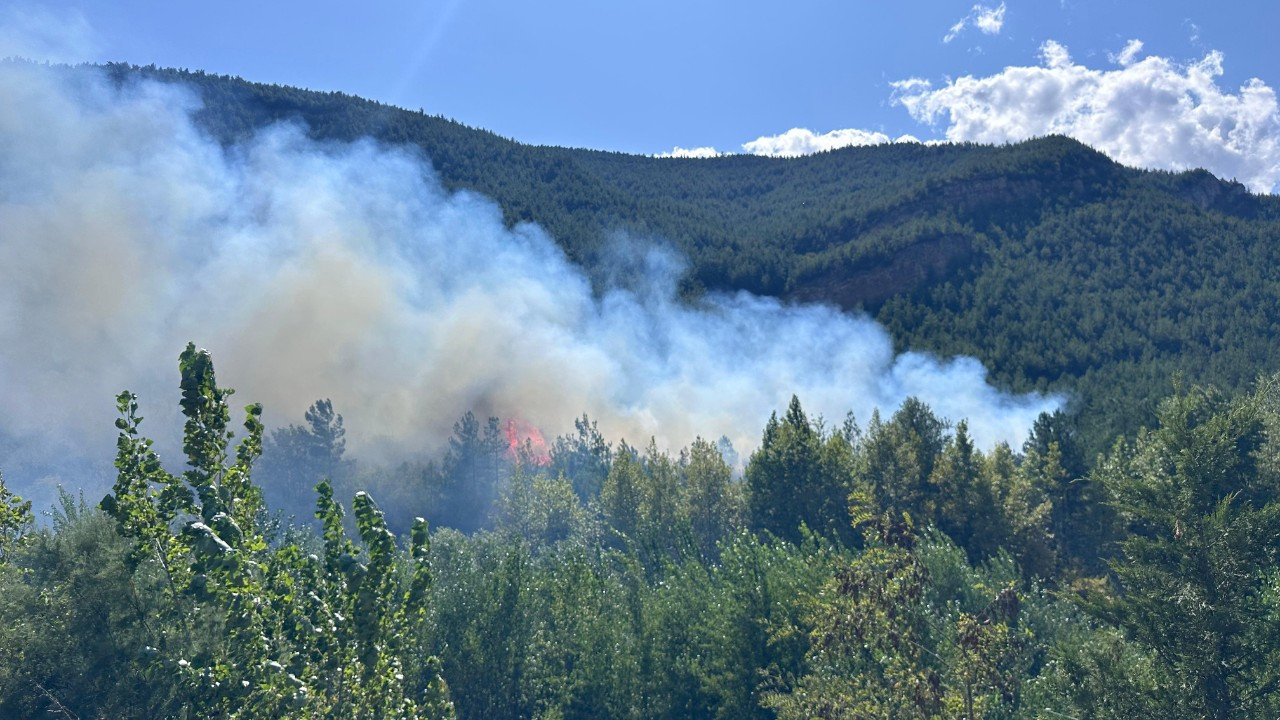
pixel 346 271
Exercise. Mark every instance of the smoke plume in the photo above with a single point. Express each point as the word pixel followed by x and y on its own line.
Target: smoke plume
pixel 345 271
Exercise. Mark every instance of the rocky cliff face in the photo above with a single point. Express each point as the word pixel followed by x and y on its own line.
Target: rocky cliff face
pixel 867 284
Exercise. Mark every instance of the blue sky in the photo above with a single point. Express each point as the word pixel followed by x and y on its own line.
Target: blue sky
pixel 653 76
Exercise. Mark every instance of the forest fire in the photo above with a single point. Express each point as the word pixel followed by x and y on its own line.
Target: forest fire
pixel 525 443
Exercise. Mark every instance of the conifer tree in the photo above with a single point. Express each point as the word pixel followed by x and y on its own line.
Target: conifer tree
pixel 1196 573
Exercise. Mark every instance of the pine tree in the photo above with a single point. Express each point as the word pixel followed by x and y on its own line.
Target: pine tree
pixel 1196 573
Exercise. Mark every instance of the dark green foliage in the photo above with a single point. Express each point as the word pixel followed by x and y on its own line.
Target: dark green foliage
pixel 626 582
pixel 584 457
pixel 899 457
pixel 471 474
pixel 965 498
pixel 912 466
pixel 77 620
pixel 799 475
pixel 297 457
pixel 571 629
pixel 1196 573
pixel 1100 675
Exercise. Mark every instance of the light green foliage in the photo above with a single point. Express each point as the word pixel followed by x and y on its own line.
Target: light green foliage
pixel 15 522
pixel 665 521
pixel 1050 263
pixel 646 505
pixel 716 503
pixel 480 617
pixel 654 598
pixel 572 630
pixel 622 496
pixel 253 631
pixel 756 625
pixel 886 644
pixel 541 509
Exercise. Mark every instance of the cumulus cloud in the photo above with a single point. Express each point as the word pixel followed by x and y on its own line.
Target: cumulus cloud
pixel 1055 55
pixel 796 142
pixel 1153 112
pixel 988 21
pixel 347 271
pixel 698 152
pixel 801 141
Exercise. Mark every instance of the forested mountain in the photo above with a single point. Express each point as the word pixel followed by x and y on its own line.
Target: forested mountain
pixel 887 570
pixel 1055 266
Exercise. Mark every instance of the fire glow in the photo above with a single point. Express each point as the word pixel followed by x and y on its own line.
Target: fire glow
pixel 525 443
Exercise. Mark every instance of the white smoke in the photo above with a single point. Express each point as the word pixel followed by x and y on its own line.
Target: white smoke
pixel 344 270
pixel 43 34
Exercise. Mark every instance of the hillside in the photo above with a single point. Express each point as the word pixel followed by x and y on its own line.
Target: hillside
pixel 898 568
pixel 1055 266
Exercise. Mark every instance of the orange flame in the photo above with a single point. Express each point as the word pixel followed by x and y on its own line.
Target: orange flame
pixel 525 443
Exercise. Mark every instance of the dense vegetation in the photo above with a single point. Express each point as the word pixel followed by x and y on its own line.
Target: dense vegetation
pixel 887 571
pixel 1053 265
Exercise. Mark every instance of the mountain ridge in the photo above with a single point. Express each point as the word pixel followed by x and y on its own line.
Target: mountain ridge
pixel 1057 267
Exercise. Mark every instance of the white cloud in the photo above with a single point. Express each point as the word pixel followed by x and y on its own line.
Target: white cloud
pixel 801 141
pixel 1054 54
pixel 698 152
pixel 988 21
pixel 1153 112
pixel 1128 54
pixel 796 142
